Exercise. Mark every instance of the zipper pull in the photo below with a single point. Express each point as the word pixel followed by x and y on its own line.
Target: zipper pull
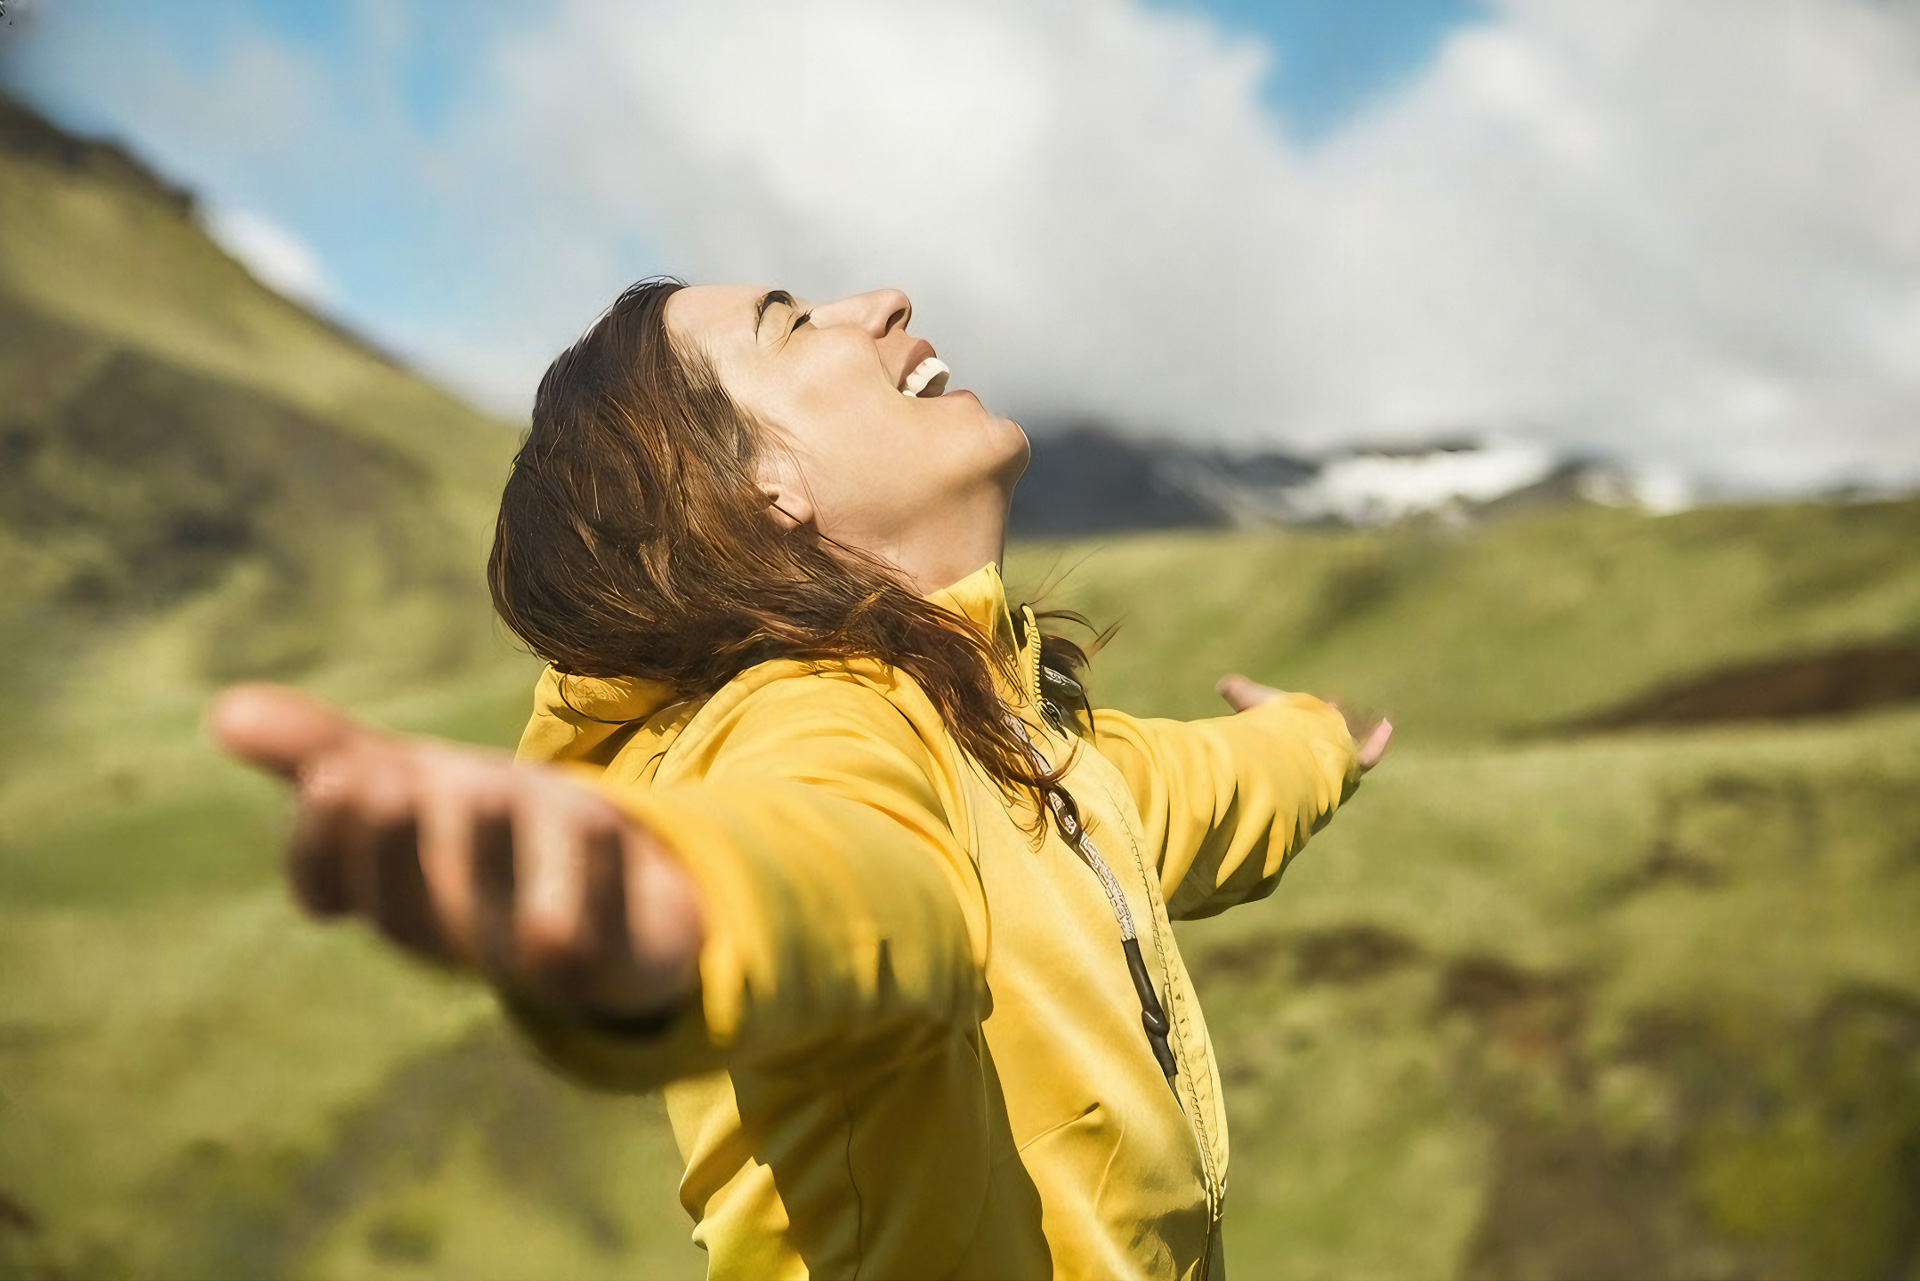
pixel 1069 686
pixel 1152 1017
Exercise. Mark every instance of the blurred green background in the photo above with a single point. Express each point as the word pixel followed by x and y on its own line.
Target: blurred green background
pixel 1547 1002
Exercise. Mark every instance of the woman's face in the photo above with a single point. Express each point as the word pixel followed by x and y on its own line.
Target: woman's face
pixel 920 479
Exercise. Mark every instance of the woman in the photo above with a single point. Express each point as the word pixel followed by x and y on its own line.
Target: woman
pixel 811 828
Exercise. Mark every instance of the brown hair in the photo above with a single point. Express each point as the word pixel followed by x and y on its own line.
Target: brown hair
pixel 634 541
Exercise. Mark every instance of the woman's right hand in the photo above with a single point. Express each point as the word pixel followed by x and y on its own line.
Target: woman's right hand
pixel 519 873
pixel 1371 734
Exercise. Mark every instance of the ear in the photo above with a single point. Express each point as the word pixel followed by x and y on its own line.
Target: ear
pixel 788 501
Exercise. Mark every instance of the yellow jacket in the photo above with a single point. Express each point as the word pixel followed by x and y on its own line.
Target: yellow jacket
pixel 917 1050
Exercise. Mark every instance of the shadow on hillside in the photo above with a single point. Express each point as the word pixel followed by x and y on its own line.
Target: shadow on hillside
pixel 1830 683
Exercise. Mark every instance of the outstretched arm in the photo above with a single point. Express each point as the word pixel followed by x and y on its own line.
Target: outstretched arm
pixel 795 890
pixel 1229 800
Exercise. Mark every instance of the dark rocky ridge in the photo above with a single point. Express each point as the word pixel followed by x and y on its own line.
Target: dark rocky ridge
pixel 1084 477
pixel 25 133
pixel 1853 679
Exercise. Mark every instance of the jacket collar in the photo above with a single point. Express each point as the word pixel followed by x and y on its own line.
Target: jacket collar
pixel 588 718
pixel 982 597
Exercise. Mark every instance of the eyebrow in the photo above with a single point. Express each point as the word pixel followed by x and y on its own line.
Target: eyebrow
pixel 768 299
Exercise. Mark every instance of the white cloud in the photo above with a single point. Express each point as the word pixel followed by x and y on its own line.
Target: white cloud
pixel 276 257
pixel 1689 233
pixel 1684 231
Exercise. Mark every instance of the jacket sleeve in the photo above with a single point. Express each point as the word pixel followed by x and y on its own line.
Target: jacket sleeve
pixel 1230 800
pixel 843 915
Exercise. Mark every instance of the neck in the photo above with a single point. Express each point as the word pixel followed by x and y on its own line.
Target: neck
pixel 940 551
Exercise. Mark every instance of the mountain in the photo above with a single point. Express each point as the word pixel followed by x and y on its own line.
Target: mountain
pixel 184 451
pixel 1084 477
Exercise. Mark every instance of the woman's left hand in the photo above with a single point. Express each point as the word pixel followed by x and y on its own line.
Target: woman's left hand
pixel 1371 734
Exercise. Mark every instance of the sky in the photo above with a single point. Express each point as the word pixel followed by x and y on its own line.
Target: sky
pixel 1680 233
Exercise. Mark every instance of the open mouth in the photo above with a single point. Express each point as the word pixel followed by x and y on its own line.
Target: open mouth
pixel 929 378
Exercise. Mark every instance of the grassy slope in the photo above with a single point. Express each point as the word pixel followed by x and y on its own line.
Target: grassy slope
pixel 1493 630
pixel 182 447
pixel 1641 1004
pixel 1637 1003
pixel 1622 1007
pixel 1634 1005
pixel 203 482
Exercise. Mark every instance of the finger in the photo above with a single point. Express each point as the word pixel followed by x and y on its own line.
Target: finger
pixel 401 906
pixel 372 794
pixel 490 876
pixel 549 865
pixel 316 857
pixel 277 728
pixel 664 925
pixel 594 967
pixel 1375 745
pixel 607 918
pixel 1242 693
pixel 451 812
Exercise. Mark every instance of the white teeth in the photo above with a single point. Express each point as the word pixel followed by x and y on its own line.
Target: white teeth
pixel 929 378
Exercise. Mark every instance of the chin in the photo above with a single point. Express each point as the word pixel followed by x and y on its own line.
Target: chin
pixel 1016 450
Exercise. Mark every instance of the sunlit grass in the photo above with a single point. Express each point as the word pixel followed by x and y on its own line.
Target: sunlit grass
pixel 1560 954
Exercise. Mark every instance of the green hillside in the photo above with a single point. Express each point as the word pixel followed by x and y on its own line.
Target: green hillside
pixel 186 448
pixel 201 481
pixel 1542 1004
pixel 1495 630
pixel 1539 1004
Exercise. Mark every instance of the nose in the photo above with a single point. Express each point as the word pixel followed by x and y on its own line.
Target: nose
pixel 878 311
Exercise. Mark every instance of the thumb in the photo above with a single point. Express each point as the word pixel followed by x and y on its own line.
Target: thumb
pixel 277 728
pixel 1374 746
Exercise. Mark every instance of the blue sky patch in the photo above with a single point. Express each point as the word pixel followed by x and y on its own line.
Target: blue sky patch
pixel 1333 57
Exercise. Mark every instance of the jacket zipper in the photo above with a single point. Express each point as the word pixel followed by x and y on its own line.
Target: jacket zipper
pixel 1153 1015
